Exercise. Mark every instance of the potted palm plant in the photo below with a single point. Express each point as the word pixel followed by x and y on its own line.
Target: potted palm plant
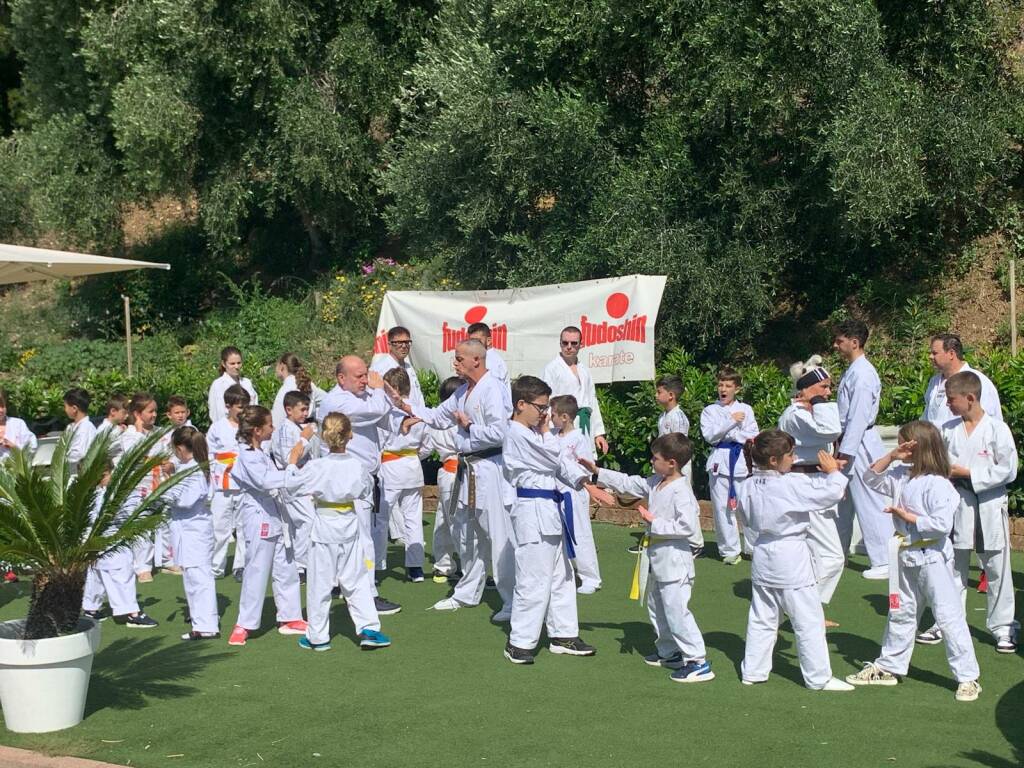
pixel 55 524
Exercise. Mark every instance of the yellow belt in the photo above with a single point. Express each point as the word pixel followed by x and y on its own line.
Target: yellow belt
pixel 905 543
pixel 336 506
pixel 394 455
pixel 638 587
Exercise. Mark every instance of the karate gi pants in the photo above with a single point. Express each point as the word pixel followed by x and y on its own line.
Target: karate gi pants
pixel 1000 598
pixel 726 530
pixel 112 576
pixel 445 534
pixel 298 513
pixel 803 606
pixel 484 541
pixel 227 520
pixel 866 505
pixel 668 607
pixel 327 565
pixel 932 584
pixel 265 558
pixel 585 563
pixel 545 593
pixel 143 554
pixel 365 515
pixel 404 508
pixel 828 553
pixel 191 540
pixel 697 540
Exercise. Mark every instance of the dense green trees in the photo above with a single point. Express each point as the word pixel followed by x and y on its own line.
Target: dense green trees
pixel 765 155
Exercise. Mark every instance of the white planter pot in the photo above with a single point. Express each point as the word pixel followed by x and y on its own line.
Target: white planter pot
pixel 43 683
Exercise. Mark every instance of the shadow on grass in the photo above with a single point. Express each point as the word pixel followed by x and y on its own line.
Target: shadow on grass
pixel 637 636
pixel 743 589
pixel 179 612
pixel 1009 713
pixel 128 671
pixel 857 650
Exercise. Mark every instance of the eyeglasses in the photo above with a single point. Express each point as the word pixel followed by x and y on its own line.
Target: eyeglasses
pixel 540 408
pixel 401 343
pixel 569 343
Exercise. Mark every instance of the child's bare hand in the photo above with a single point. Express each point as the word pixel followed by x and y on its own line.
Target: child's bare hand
pixel 905 450
pixel 645 513
pixel 308 431
pixel 588 465
pixel 738 417
pixel 408 424
pixel 903 514
pixel 462 419
pixel 960 471
pixel 827 462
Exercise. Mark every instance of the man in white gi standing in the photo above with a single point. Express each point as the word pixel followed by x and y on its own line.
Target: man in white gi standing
pixel 399 347
pixel 947 355
pixel 568 375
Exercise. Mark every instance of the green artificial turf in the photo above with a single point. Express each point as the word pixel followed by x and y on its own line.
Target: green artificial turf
pixel 443 695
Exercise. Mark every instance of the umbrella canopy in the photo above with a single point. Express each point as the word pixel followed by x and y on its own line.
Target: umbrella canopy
pixel 20 264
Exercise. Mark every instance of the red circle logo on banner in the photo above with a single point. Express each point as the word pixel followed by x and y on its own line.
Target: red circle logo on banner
pixel 475 314
pixel 617 305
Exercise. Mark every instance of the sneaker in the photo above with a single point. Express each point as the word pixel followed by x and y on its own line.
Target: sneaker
pixel 177 570
pixel 10 577
pixel 140 621
pixel 305 643
pixel 145 577
pixel 415 575
pixel 386 607
pixel 697 552
pixel 239 574
pixel 694 672
pixel 734 560
pixel 835 684
pixel 1006 645
pixel 297 627
pixel 753 682
pixel 99 615
pixel 675 661
pixel 439 578
pixel 448 604
pixel 302 577
pixel 371 638
pixel 932 636
pixel 335 592
pixel 968 691
pixel 878 573
pixel 872 674
pixel 634 550
pixel 238 636
pixel 489 584
pixel 193 635
pixel 587 589
pixel 518 655
pixel 573 646
pixel 502 616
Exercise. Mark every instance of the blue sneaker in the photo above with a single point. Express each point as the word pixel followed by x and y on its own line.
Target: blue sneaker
pixel 371 638
pixel 694 672
pixel 675 661
pixel 304 643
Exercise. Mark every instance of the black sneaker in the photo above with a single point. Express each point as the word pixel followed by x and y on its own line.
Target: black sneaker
pixel 302 577
pixel 697 551
pixel 238 574
pixel 193 635
pixel 634 550
pixel 99 615
pixel 185 614
pixel 415 575
pixel 572 646
pixel 518 655
pixel 140 621
pixel 489 584
pixel 335 592
pixel 386 607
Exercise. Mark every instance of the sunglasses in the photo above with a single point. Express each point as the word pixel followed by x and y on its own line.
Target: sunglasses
pixel 569 343
pixel 401 343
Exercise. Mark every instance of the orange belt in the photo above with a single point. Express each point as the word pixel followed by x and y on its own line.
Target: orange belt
pixel 155 481
pixel 395 455
pixel 451 465
pixel 227 459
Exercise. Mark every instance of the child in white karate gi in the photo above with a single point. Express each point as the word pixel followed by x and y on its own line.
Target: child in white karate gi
pixel 191 532
pixel 920 559
pixel 266 552
pixel 14 433
pixel 542 526
pixel 813 422
pixel 177 414
pixel 779 504
pixel 116 411
pixel 983 458
pixel 726 425
pixel 288 434
pixel 142 414
pixel 446 533
pixel 82 431
pixel 665 555
pixel 113 575
pixel 401 498
pixel 225 501
pixel 574 443
pixel 667 391
pixel 334 483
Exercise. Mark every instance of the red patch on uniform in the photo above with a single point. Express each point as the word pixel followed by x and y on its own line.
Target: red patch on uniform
pixel 894 602
pixel 475 314
pixel 617 305
pixel 264 530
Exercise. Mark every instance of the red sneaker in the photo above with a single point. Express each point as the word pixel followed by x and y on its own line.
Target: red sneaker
pixel 10 577
pixel 238 636
pixel 292 627
pixel 983 583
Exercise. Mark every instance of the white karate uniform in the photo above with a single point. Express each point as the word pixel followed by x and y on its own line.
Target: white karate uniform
pixel 577 445
pixel 384 363
pixel 817 430
pixel 857 400
pixel 401 498
pixel 484 526
pixel 113 575
pixel 580 385
pixel 299 509
pixel 266 552
pixel 545 591
pixel 446 535
pixel 215 399
pixel 82 434
pixel 925 572
pixel 17 431
pixel 782 574
pixel 143 550
pixel 115 441
pixel 277 411
pixel 717 426
pixel 936 409
pixel 191 536
pixel 335 550
pixel 982 517
pixel 496 367
pixel 676 514
pixel 369 413
pixel 225 499
pixel 674 420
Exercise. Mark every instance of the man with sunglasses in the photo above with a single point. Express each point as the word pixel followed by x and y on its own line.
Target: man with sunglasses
pixel 568 375
pixel 399 347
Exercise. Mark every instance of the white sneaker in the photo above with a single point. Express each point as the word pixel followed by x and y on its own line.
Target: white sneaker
pixel 878 573
pixel 448 604
pixel 587 589
pixel 835 684
pixel 505 614
pixel 931 636
pixel 968 691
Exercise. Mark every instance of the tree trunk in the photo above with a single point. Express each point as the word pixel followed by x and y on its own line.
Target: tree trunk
pixel 56 603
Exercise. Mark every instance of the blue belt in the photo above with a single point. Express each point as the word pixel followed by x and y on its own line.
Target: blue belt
pixel 564 502
pixel 735 451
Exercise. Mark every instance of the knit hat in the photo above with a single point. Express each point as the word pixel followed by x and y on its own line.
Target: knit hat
pixel 807 374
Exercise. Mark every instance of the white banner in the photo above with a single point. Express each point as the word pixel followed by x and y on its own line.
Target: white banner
pixel 616 315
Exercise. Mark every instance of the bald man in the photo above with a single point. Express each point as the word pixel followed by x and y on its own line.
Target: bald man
pixel 359 394
pixel 478 409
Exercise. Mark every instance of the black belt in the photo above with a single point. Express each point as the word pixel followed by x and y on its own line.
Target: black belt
pixel 963 483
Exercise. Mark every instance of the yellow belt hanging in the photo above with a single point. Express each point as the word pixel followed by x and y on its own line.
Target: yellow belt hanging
pixel 336 506
pixel 635 593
